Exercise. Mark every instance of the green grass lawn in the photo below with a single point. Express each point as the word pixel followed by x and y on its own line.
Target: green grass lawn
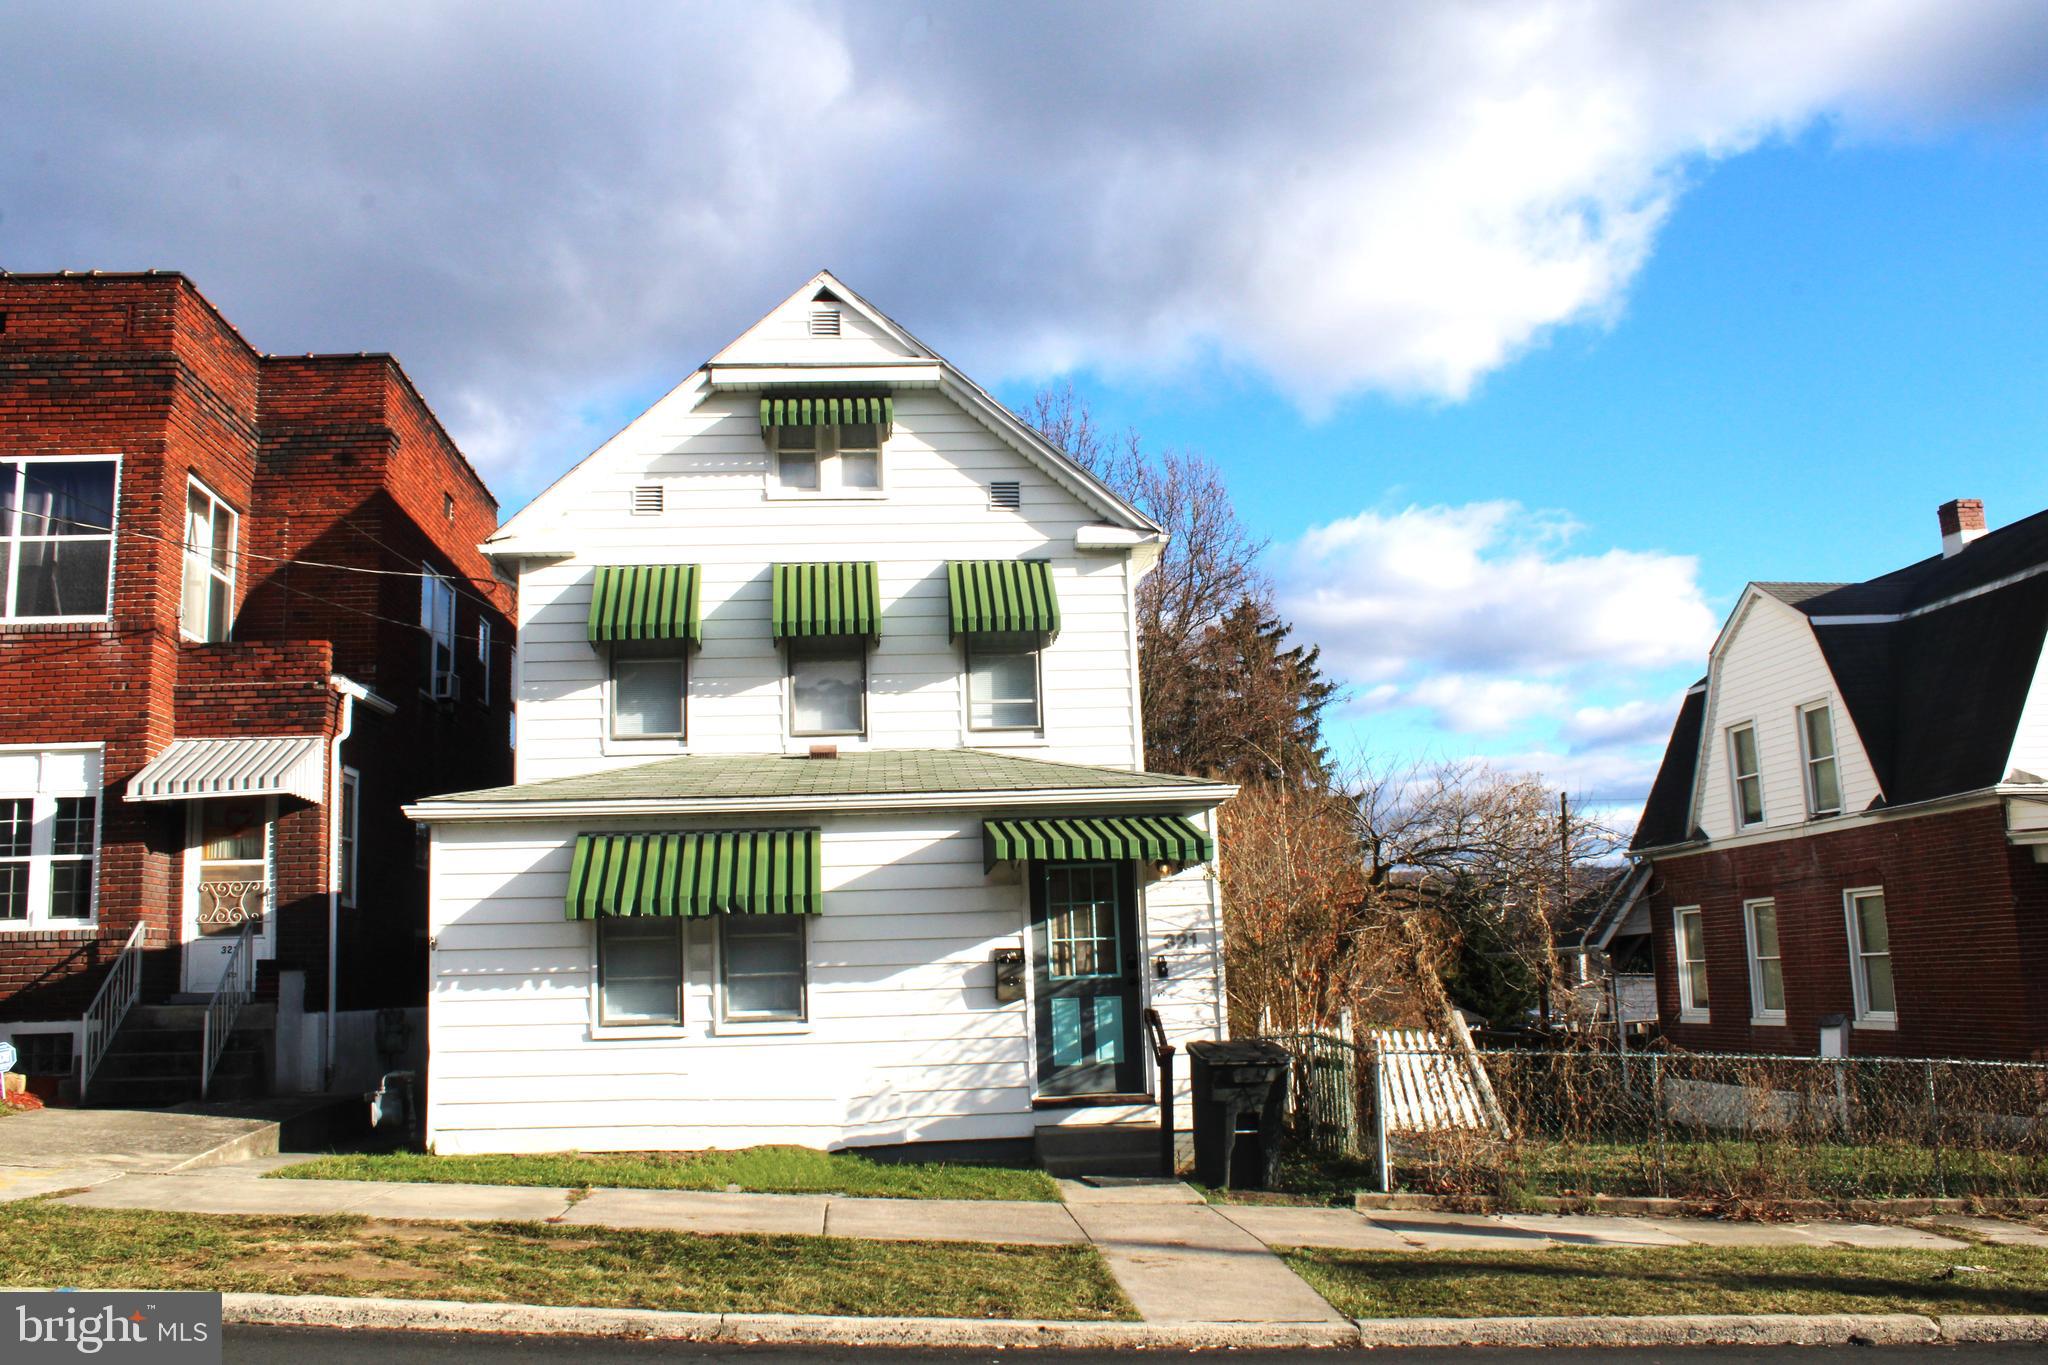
pixel 761 1170
pixel 42 1243
pixel 1599 1281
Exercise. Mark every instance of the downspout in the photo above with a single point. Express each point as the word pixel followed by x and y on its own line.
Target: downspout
pixel 350 693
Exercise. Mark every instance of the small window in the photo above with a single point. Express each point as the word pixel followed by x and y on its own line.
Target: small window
pixel 350 816
pixel 1690 940
pixel 639 970
pixel 1766 969
pixel 761 966
pixel 824 322
pixel 841 459
pixel 1003 682
pixel 1823 773
pixel 828 687
pixel 56 538
pixel 448 506
pixel 1748 777
pixel 43 1054
pixel 1870 957
pixel 437 620
pixel 1005 495
pixel 483 659
pixel 647 500
pixel 206 611
pixel 649 679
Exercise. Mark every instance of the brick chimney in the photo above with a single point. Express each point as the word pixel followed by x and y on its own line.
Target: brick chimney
pixel 1962 521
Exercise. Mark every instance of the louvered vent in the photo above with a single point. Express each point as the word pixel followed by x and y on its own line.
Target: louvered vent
pixel 1006 495
pixel 647 500
pixel 824 322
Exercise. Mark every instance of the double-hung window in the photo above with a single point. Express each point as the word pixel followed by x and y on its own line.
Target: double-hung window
pixel 1746 776
pixel 639 970
pixel 350 836
pixel 1870 957
pixel 49 837
pixel 1690 941
pixel 207 608
pixel 483 659
pixel 1766 967
pixel 1003 691
pixel 761 968
pixel 828 685
pixel 57 525
pixel 437 622
pixel 832 459
pixel 1823 772
pixel 649 679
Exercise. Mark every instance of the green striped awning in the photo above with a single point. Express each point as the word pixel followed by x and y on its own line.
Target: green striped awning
pixel 818 410
pixel 994 596
pixel 645 602
pixel 721 872
pixel 825 599
pixel 1096 838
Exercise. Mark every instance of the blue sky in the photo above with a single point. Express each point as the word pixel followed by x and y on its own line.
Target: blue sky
pixel 1525 332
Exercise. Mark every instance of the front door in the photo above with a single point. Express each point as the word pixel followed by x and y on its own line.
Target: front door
pixel 1084 940
pixel 227 883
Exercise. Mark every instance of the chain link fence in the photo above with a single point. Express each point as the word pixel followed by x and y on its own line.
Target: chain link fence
pixel 1507 1124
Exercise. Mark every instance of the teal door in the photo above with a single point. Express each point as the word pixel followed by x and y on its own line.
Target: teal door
pixel 1084 938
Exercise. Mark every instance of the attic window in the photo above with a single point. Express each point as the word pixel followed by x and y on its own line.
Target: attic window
pixel 647 500
pixel 448 506
pixel 1005 495
pixel 824 322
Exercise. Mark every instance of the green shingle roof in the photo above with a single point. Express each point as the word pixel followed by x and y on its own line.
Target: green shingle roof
pixel 874 772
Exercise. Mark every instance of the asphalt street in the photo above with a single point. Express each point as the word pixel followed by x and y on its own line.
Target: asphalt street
pixel 302 1346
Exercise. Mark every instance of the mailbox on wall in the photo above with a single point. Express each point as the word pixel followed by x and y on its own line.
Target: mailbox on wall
pixel 1009 964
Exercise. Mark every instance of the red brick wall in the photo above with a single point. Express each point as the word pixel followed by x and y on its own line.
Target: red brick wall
pixel 1966 913
pixel 328 459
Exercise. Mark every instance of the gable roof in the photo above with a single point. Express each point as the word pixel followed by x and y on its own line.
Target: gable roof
pixel 528 523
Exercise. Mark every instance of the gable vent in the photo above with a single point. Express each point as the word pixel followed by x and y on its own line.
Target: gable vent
pixel 647 500
pixel 824 322
pixel 1005 495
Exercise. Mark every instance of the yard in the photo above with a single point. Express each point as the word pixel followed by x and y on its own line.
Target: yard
pixel 48 1244
pixel 1597 1281
pixel 755 1170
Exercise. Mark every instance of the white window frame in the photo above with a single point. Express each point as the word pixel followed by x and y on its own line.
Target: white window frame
pixel 730 1022
pixel 830 488
pixel 1037 725
pixel 1809 764
pixel 348 839
pixel 43 794
pixel 602 1027
pixel 1759 1012
pixel 855 645
pixel 10 545
pixel 1736 777
pixel 483 658
pixel 204 554
pixel 1689 1011
pixel 1859 979
pixel 668 741
pixel 437 590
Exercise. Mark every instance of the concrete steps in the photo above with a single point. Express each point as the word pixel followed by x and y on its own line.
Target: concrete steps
pixel 154 1060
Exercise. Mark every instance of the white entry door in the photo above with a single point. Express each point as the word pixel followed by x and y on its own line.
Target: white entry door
pixel 229 859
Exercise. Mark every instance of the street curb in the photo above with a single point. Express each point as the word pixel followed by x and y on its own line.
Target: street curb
pixel 1643 1206
pixel 433 1315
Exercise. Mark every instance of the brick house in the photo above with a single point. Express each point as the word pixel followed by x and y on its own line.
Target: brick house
pixel 214 703
pixel 1847 834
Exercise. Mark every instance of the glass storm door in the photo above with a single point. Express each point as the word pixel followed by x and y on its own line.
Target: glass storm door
pixel 227 883
pixel 1084 939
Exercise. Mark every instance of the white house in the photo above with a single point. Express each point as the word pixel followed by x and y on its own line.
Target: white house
pixel 831 824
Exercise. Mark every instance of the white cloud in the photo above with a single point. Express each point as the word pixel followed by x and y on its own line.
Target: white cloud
pixel 1642 721
pixel 544 208
pixel 1471 705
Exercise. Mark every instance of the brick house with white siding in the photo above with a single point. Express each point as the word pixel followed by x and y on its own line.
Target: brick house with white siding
pixel 832 825
pixel 215 691
pixel 1848 831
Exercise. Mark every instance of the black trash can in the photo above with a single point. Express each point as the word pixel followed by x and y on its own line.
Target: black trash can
pixel 1240 1101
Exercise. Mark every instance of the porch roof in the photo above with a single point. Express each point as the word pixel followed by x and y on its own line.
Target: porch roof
pixel 284 765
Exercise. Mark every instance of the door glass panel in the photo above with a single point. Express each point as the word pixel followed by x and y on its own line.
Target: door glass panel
pixel 1081 925
pixel 1109 1028
pixel 1066 1031
pixel 234 874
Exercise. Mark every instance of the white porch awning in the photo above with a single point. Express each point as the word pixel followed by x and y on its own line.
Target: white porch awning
pixel 193 768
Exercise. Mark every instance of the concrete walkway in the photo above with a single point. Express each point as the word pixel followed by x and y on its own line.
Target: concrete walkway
pixel 61 1149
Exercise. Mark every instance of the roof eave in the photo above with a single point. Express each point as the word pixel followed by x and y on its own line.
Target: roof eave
pixel 445 810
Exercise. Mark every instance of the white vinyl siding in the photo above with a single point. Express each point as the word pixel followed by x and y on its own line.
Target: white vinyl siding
pixel 1766 962
pixel 1689 948
pixel 1870 957
pixel 940 463
pixel 903 1038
